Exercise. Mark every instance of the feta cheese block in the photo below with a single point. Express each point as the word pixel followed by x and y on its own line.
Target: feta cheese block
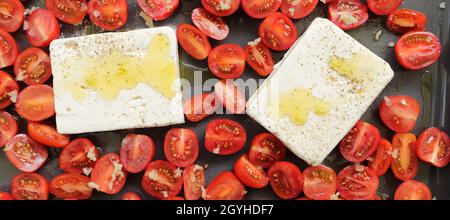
pixel 320 89
pixel 115 81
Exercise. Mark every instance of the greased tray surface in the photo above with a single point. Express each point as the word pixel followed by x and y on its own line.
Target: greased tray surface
pixel 428 86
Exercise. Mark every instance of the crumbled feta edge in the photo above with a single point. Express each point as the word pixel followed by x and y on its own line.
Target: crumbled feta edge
pixel 91 154
pixel 87 170
pixel 13 96
pixel 117 172
pixel 177 172
pixel 255 42
pixel 94 185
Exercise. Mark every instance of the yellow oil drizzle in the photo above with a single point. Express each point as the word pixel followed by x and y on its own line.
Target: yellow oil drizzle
pixel 117 71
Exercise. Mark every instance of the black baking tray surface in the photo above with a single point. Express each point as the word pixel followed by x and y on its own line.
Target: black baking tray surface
pixel 429 86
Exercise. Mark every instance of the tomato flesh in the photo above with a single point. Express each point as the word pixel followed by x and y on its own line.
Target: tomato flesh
pixel 8 127
pixel 405 163
pixel 319 182
pixel 225 186
pixel 417 49
pixel 25 153
pixel 109 15
pixel 29 186
pixel 229 95
pixel 278 32
pixel 221 7
pixel 108 174
pixel 47 135
pixel 286 179
pixel 181 146
pixel 11 15
pixel 9 89
pixel 79 156
pixel 433 146
pixel 5 196
pixel 383 7
pixel 265 150
pixel 130 196
pixel 68 11
pixel 260 8
pixel 399 113
pixel 193 181
pixel 71 186
pixel 249 174
pixel 33 66
pixel 404 20
pixel 224 136
pixel 412 190
pixel 193 41
pixel 209 24
pixel 159 9
pixel 357 182
pixel 136 152
pixel 8 49
pixel 43 28
pixel 36 103
pixel 227 61
pixel 382 158
pixel 297 9
pixel 259 57
pixel 199 107
pixel 162 179
pixel 360 142
pixel 348 14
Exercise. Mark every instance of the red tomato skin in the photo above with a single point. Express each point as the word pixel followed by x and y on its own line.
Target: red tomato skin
pixel 261 158
pixel 264 68
pixel 120 7
pixel 209 24
pixel 382 158
pixel 230 96
pixel 172 190
pixel 21 193
pixel 439 157
pixel 57 190
pixel 5 196
pixel 294 179
pixel 335 16
pixel 193 181
pixel 61 12
pixel 383 7
pixel 28 148
pixel 188 139
pixel 300 10
pixel 408 189
pixel 360 152
pixel 166 9
pixel 268 25
pixel 130 196
pixel 99 172
pixel 398 141
pixel 230 55
pixel 13 21
pixel 8 85
pixel 21 107
pixel 418 19
pixel 36 131
pixel 431 55
pixel 214 143
pixel 44 66
pixel 327 179
pixel 397 115
pixel 212 6
pixel 245 172
pixel 260 9
pixel 146 152
pixel 42 37
pixel 67 154
pixel 188 46
pixel 351 175
pixel 235 189
pixel 199 106
pixel 9 51
pixel 8 127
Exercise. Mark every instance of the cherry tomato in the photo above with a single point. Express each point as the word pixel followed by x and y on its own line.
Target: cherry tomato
pixel 286 179
pixel 199 106
pixel 36 103
pixel 224 136
pixel 265 150
pixel 108 174
pixel 227 61
pixel 33 66
pixel 68 11
pixel 405 20
pixel 136 152
pixel 405 164
pixel 383 7
pixel 259 57
pixel 225 186
pixel 399 113
pixel 221 7
pixel 181 146
pixel 29 186
pixel 249 174
pixel 229 95
pixel 8 49
pixel 382 158
pixel 5 196
pixel 357 182
pixel 360 142
pixel 348 14
pixel 130 196
pixel 47 135
pixel 193 41
pixel 193 181
pixel 158 9
pixel 25 153
pixel 278 32
pixel 8 90
pixel 78 156
pixel 412 190
pixel 433 146
pixel 42 28
pixel 297 9
pixel 162 179
pixel 71 186
pixel 417 49
pixel 109 15
pixel 260 8
pixel 8 127
pixel 319 182
pixel 12 15
pixel 209 24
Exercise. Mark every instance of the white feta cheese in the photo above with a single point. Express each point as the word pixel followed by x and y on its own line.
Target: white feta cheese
pixel 91 154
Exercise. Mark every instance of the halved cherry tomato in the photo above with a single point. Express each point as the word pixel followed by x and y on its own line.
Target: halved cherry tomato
pixel 319 182
pixel 199 106
pixel 174 198
pixel 25 153
pixel 360 142
pixel 8 89
pixel 265 150
pixel 8 127
pixel 181 146
pixel 259 57
pixel 5 196
pixel 286 179
pixel 297 9
pixel 162 179
pixel 249 174
pixel 109 15
pixel 33 66
pixel 260 8
pixel 278 32
pixel 209 24
pixel 229 95
pixel 69 11
pixel 382 158
pixel 357 182
pixel 8 49
pixel 42 28
pixel 137 150
pixel 383 7
pixel 227 61
pixel 193 181
pixel 29 186
pixel 225 186
pixel 405 164
pixel 224 136
pixel 11 15
pixel 36 103
pixel 78 156
pixel 193 41
pixel 47 135
pixel 348 14
pixel 399 112
pixel 71 186
pixel 221 7
pixel 417 49
pixel 405 20
pixel 108 174
pixel 412 190
pixel 130 196
pixel 158 9
pixel 433 146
